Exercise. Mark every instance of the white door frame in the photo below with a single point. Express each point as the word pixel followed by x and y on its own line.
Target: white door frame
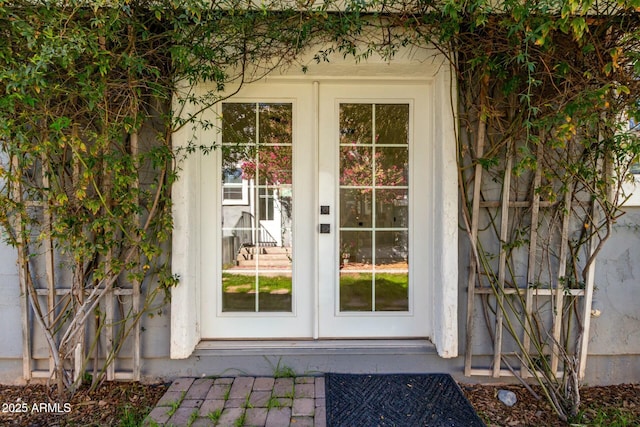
pixel 189 306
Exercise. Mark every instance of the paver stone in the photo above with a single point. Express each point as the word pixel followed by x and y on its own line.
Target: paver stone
pixel 191 403
pixel 278 417
pixel 259 399
pixel 256 417
pixel 320 417
pixel 181 416
pixel 319 388
pixel 218 391
pixel 209 406
pixel 241 387
pixel 159 415
pixel 181 384
pixel 263 384
pixel 199 388
pixel 302 421
pixel 229 416
pixel 170 398
pixel 303 407
pixel 305 390
pixel 283 387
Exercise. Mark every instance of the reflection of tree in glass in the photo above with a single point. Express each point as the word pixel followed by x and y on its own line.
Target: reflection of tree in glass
pixel 272 165
pixel 238 123
pixel 355 123
pixel 257 139
pixel 356 167
pixel 391 165
pixel 275 123
pixel 386 156
pixel 392 124
pixel 273 162
pixel 234 156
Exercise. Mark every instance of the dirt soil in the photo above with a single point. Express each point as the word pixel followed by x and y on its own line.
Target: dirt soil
pixel 112 404
pixel 126 404
pixel 617 405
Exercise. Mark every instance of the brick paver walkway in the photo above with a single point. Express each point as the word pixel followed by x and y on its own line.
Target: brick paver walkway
pixel 242 401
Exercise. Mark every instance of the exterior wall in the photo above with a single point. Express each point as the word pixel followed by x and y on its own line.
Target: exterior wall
pixel 614 344
pixel 617 290
pixel 614 347
pixel 11 332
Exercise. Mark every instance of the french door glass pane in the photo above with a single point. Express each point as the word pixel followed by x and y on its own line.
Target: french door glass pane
pixel 374 207
pixel 392 166
pixel 257 146
pixel 356 123
pixel 392 123
pixel 392 208
pixel 355 207
pixel 356 166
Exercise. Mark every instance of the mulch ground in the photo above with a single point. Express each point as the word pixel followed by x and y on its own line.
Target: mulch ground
pixel 126 404
pixel 112 404
pixel 617 405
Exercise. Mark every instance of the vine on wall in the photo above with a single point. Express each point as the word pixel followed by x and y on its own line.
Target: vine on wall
pixel 548 94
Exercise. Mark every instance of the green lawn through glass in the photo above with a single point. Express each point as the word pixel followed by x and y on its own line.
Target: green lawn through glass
pixel 391 291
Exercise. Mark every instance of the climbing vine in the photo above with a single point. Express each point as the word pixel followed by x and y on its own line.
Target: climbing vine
pixel 90 94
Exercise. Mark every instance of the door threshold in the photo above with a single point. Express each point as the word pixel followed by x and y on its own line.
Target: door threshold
pixel 210 347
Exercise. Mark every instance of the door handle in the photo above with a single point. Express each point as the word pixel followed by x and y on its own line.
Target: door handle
pixel 325 228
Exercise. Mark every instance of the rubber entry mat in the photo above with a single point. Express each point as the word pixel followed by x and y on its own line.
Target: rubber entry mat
pixel 401 400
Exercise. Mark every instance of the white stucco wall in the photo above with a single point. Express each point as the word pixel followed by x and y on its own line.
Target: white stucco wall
pixel 617 290
pixel 10 332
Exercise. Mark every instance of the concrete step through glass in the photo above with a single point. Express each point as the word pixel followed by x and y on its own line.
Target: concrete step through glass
pixel 264 257
pixel 242 401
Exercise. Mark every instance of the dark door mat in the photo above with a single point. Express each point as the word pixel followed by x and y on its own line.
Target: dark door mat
pixel 399 400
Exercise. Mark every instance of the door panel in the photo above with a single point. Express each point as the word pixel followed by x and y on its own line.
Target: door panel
pixel 263 285
pixel 368 286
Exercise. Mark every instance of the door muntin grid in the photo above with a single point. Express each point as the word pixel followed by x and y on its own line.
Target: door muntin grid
pixel 257 240
pixel 374 207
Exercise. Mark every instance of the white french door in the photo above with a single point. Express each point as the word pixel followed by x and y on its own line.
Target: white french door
pixel 318 227
pixel 257 256
pixel 373 176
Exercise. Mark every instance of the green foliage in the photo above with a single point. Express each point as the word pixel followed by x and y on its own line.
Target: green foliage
pixel 176 404
pixel 132 416
pixel 282 371
pixel 239 422
pixel 606 417
pixel 214 416
pixel 553 84
pixel 273 402
pixel 193 417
